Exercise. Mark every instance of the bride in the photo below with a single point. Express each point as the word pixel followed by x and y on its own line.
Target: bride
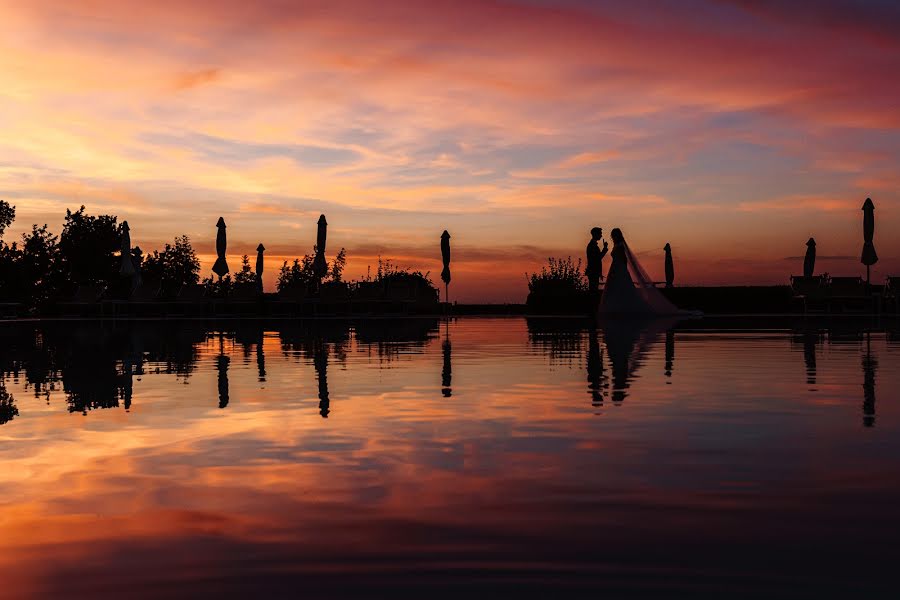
pixel 629 290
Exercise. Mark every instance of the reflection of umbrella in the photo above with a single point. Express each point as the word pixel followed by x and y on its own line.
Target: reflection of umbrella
pixel 445 256
pixel 447 370
pixel 869 364
pixel 809 261
pixel 127 268
pixel 670 266
pixel 869 257
pixel 259 265
pixel 810 339
pixel 319 264
pixel 670 352
pixel 221 266
pixel 320 364
pixel 261 357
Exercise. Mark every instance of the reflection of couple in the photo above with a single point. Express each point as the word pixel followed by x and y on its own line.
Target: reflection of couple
pixel 628 289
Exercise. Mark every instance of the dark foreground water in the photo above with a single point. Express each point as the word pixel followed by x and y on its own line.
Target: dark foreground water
pixel 479 458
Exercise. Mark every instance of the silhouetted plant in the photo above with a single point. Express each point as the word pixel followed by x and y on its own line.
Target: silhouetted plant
pixel 561 275
pixel 176 265
pixel 218 287
pixel 301 273
pixel 88 247
pixel 389 272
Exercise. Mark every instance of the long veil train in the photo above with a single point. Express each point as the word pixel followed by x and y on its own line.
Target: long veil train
pixel 632 292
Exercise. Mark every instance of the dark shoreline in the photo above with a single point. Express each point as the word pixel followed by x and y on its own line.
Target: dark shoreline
pixel 732 301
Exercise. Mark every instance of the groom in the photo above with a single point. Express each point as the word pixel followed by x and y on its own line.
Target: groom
pixel 594 270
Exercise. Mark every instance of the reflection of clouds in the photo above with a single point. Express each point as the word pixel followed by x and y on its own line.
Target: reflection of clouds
pixel 512 475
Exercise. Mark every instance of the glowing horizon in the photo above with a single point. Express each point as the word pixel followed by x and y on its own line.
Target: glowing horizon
pixel 732 129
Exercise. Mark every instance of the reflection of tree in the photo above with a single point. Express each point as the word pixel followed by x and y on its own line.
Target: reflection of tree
pixel 8 410
pixel 88 368
pixel 870 366
pixel 395 338
pixel 561 340
pixel 95 364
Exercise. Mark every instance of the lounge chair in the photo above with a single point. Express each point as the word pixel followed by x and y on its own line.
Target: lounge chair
pixel 848 294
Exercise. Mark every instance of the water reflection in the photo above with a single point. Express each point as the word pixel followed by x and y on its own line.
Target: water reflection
pixel 260 358
pixel 627 343
pixel 320 361
pixel 8 410
pixel 810 340
pixel 447 365
pixel 513 482
pixel 670 353
pixel 595 372
pixel 870 366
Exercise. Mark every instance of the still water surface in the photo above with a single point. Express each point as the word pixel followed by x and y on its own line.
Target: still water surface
pixel 485 457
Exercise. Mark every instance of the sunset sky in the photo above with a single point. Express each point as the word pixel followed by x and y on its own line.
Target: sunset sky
pixel 733 129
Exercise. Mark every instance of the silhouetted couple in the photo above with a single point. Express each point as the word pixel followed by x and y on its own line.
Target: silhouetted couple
pixel 628 289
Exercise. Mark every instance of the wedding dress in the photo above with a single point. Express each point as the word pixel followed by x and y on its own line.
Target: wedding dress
pixel 630 291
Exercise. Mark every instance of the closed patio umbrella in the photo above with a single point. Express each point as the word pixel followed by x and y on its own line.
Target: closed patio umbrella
pixel 869 257
pixel 445 257
pixel 221 266
pixel 670 266
pixel 809 261
pixel 259 265
pixel 127 268
pixel 320 266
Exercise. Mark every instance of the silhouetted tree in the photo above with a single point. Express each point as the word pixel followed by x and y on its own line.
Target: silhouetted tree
pixel 337 265
pixel 7 215
pixel 88 247
pixel 302 272
pixel 42 275
pixel 246 276
pixel 176 265
pixel 30 272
